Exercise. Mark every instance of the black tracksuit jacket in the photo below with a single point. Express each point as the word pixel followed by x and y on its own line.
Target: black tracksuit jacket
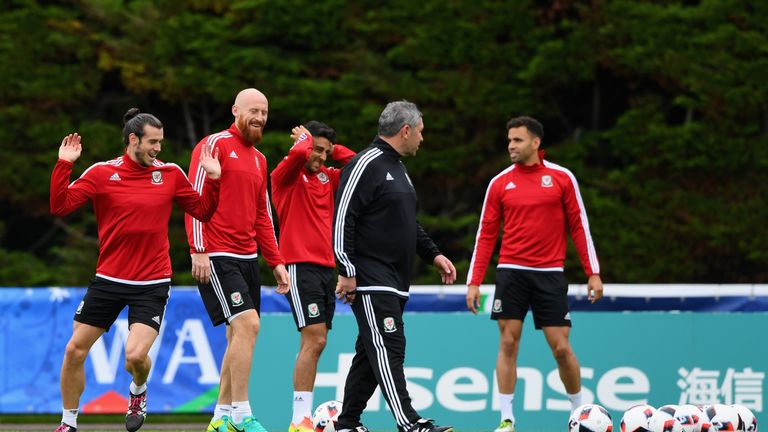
pixel 375 232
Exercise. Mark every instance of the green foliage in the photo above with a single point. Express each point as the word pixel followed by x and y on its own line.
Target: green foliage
pixel 658 108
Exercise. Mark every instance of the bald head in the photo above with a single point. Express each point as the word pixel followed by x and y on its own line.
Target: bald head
pixel 250 110
pixel 249 96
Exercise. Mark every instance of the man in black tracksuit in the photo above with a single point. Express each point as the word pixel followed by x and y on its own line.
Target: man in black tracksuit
pixel 375 237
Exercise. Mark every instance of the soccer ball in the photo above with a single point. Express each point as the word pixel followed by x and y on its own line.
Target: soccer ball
pixel 590 418
pixel 325 414
pixel 697 416
pixel 636 418
pixel 684 416
pixel 663 421
pixel 747 418
pixel 724 418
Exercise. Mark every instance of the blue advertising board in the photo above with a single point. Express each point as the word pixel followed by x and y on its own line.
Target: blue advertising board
pixel 625 357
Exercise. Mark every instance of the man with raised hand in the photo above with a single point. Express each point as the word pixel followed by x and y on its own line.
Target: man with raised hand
pixel 132 198
pixel 303 191
pixel 225 249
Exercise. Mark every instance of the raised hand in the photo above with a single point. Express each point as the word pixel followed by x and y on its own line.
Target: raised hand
pixel 298 131
pixel 70 148
pixel 210 162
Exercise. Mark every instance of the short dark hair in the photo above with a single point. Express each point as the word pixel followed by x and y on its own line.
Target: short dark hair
pixel 530 123
pixel 320 129
pixel 134 122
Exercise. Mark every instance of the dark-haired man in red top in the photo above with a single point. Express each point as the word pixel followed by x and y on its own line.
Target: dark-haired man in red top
pixel 132 198
pixel 538 203
pixel 303 190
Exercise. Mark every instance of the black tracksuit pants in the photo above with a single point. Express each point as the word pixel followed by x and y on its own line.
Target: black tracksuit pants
pixel 379 358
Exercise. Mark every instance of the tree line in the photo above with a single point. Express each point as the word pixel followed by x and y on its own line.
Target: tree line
pixel 658 107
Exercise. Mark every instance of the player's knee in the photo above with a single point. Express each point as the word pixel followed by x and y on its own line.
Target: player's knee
pixel 247 327
pixel 134 360
pixel 508 345
pixel 74 353
pixel 318 345
pixel 562 352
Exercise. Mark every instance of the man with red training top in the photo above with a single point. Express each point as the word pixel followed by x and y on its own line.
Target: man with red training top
pixel 132 198
pixel 537 202
pixel 303 191
pixel 224 252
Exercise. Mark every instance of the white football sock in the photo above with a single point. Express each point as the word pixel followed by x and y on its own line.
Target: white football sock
pixel 69 416
pixel 222 410
pixel 302 406
pixel 138 389
pixel 240 410
pixel 505 404
pixel 575 399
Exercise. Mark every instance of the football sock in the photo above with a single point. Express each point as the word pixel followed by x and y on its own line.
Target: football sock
pixel 240 410
pixel 222 410
pixel 575 400
pixel 69 417
pixel 138 389
pixel 302 406
pixel 505 405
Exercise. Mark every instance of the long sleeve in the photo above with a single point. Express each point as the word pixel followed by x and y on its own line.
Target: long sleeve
pixel 66 198
pixel 199 180
pixel 487 235
pixel 357 189
pixel 289 169
pixel 264 227
pixel 425 247
pixel 342 155
pixel 199 207
pixel 578 225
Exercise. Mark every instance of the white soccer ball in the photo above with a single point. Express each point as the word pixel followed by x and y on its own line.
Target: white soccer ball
pixel 747 418
pixel 636 418
pixel 724 418
pixel 697 415
pixel 590 418
pixel 664 421
pixel 325 414
pixel 685 416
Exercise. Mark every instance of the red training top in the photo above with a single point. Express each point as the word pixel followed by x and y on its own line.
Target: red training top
pixel 132 204
pixel 304 203
pixel 242 224
pixel 536 205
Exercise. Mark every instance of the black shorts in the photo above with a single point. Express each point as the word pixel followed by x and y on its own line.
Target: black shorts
pixel 311 296
pixel 544 292
pixel 104 300
pixel 235 287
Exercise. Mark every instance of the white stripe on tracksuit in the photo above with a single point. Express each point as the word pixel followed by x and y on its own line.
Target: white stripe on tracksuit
pixel 295 300
pixel 200 175
pixel 216 285
pixel 346 196
pixel 592 254
pixel 383 360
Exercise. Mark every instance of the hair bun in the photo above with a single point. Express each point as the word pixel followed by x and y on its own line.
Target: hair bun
pixel 131 113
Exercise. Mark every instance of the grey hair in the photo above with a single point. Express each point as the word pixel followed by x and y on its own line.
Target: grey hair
pixel 396 115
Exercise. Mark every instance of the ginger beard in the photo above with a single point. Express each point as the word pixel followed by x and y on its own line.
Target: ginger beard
pixel 251 129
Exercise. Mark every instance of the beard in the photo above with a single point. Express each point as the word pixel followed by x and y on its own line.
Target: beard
pixel 251 135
